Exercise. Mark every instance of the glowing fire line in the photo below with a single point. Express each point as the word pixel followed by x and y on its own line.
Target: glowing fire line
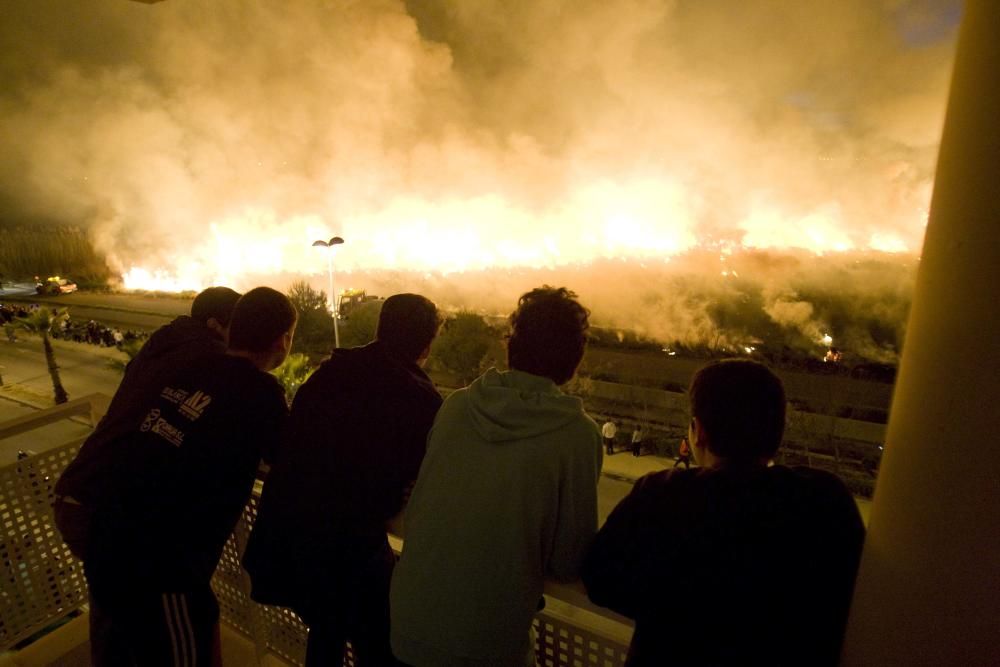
pixel 646 220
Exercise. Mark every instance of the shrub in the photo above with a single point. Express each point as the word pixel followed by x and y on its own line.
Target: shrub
pixel 463 344
pixel 360 328
pixel 295 370
pixel 314 332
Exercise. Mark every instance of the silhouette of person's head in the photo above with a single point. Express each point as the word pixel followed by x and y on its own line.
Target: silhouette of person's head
pixel 548 333
pixel 738 412
pixel 407 324
pixel 262 327
pixel 213 307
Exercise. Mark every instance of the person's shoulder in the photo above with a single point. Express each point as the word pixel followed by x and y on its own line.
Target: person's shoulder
pixel 819 481
pixel 589 423
pixel 664 491
pixel 456 400
pixel 669 480
pixel 818 493
pixel 415 383
pixel 355 367
pixel 581 427
pixel 186 330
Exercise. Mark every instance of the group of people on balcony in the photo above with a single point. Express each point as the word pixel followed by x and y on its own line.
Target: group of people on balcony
pixel 736 561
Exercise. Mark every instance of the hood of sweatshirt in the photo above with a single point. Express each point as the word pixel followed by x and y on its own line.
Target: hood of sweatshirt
pixel 513 405
pixel 183 330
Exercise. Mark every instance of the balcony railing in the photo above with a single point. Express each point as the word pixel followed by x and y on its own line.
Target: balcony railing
pixel 41 582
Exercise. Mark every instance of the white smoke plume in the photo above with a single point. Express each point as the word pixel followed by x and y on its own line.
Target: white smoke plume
pixel 213 141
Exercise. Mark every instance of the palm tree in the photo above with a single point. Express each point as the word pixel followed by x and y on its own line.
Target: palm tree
pixel 41 322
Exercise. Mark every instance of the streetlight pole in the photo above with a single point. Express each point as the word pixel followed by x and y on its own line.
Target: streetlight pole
pixel 336 240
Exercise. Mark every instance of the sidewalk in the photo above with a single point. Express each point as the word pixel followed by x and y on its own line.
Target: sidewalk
pixel 623 466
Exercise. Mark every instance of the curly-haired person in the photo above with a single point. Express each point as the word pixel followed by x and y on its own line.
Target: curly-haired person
pixel 506 497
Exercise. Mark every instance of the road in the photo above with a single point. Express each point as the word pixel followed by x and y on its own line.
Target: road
pixel 125 311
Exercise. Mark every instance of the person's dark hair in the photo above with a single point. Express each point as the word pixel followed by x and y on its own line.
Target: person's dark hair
pixel 741 406
pixel 260 317
pixel 407 324
pixel 548 333
pixel 217 302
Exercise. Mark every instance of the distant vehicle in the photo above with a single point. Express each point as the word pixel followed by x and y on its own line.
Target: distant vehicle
pixel 55 286
pixel 351 299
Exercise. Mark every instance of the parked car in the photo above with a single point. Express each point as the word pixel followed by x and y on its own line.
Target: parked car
pixel 55 286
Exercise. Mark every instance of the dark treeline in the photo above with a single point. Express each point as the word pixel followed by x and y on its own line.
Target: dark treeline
pixel 26 252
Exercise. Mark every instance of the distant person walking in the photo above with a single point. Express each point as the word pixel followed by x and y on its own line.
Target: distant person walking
pixel 769 552
pixel 151 522
pixel 608 432
pixel 506 497
pixel 356 437
pixel 683 454
pixel 637 441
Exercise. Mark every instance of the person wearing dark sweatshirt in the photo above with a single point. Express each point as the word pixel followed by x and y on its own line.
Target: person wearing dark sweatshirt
pixel 768 553
pixel 357 435
pixel 186 340
pixel 159 512
pixel 506 497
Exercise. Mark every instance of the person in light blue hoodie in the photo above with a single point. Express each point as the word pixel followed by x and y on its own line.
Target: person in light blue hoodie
pixel 505 498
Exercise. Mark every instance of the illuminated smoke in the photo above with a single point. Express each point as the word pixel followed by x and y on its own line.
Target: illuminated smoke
pixel 207 142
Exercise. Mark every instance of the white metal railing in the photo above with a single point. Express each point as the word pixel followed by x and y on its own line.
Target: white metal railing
pixel 41 582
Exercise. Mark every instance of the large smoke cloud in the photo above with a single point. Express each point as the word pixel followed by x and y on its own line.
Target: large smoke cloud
pixel 543 134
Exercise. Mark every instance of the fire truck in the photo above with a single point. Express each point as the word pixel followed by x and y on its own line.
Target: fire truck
pixel 350 300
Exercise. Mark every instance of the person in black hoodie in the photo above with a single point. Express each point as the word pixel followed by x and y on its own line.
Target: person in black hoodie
pixel 769 553
pixel 185 340
pixel 168 488
pixel 356 437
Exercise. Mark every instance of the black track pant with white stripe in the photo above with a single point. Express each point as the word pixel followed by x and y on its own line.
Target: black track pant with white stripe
pixel 157 630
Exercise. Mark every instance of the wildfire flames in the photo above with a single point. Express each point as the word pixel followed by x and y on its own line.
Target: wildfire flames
pixel 452 139
pixel 635 223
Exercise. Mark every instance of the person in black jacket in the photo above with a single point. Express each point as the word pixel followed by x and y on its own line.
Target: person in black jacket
pixel 161 509
pixel 769 553
pixel 357 434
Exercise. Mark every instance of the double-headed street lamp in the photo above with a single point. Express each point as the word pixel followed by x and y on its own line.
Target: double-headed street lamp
pixel 336 240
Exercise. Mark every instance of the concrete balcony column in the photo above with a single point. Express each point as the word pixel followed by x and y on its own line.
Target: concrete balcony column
pixel 928 592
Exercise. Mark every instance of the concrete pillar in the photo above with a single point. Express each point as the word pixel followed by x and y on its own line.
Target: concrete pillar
pixel 928 592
